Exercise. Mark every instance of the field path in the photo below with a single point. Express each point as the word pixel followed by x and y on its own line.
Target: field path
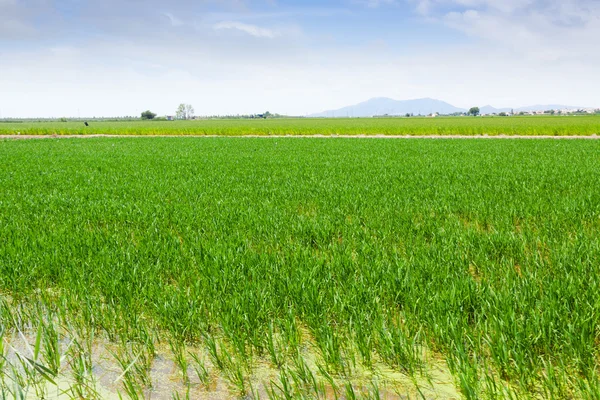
pixel 591 137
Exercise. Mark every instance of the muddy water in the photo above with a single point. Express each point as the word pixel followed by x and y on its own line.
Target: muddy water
pixel 107 380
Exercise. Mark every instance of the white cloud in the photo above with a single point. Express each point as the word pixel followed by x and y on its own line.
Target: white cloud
pixel 173 20
pixel 551 30
pixel 65 51
pixel 513 53
pixel 375 3
pixel 429 6
pixel 252 30
pixel 14 29
pixel 229 80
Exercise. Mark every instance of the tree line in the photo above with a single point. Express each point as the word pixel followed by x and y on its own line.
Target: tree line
pixel 184 111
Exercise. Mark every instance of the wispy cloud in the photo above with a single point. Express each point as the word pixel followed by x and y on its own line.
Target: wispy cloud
pixel 172 19
pixel 278 14
pixel 13 28
pixel 549 30
pixel 375 3
pixel 12 24
pixel 249 29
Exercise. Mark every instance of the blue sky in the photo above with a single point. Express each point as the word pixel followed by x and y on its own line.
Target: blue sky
pixel 120 57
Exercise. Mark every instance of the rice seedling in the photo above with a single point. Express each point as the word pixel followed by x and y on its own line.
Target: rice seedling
pixel 299 268
pixel 132 377
pixel 304 378
pixel 179 355
pixel 199 367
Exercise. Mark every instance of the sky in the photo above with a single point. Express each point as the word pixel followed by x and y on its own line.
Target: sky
pixel 120 57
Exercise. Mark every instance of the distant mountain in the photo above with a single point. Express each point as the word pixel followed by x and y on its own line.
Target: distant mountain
pixel 383 106
pixel 545 107
pixel 493 110
pixel 539 107
pixel 387 106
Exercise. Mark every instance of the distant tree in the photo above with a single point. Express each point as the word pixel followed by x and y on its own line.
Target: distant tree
pixel 267 115
pixel 522 113
pixel 180 113
pixel 189 110
pixel 474 111
pixel 148 115
pixel 184 111
pixel 503 114
pixel 63 119
pixel 512 112
pixel 407 115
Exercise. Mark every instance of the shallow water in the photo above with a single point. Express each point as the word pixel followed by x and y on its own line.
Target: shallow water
pixel 107 378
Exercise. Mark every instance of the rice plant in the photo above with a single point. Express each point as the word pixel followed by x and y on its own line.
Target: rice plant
pixel 299 268
pixel 585 125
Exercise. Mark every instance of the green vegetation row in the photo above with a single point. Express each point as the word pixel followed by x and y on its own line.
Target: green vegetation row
pixel 530 125
pixel 482 254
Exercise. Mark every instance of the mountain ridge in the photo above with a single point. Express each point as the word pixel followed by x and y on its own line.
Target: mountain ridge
pixel 379 106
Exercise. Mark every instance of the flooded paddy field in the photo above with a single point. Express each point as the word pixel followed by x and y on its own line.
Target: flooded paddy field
pixel 284 268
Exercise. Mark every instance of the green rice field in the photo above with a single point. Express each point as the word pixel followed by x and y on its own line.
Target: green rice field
pixel 301 267
pixel 528 125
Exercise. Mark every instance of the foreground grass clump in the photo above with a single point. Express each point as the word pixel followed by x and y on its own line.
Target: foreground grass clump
pixel 418 126
pixel 300 267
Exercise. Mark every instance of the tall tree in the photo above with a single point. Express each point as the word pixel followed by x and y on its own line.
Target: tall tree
pixel 189 111
pixel 180 113
pixel 184 111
